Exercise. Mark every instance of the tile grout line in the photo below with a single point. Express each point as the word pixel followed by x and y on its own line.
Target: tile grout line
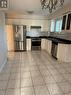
pixel 32 79
pixel 56 82
pixel 32 83
pixel 44 81
pixel 20 78
pixel 54 79
pixel 62 76
pixel 8 81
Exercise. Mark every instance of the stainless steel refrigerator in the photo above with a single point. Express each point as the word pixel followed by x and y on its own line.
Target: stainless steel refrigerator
pixel 20 37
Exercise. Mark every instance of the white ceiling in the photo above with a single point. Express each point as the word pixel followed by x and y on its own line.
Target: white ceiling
pixel 21 6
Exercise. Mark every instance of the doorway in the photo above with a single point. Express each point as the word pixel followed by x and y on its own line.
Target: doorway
pixel 10 37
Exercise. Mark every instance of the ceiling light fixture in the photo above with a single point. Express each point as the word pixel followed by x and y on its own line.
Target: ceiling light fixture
pixel 51 4
pixel 3 3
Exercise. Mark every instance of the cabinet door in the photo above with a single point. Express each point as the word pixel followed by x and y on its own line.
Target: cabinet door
pixel 28 44
pixel 49 46
pixel 43 44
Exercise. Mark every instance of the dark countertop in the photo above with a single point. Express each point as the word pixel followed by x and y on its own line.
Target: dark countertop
pixel 54 39
pixel 59 40
pixel 36 37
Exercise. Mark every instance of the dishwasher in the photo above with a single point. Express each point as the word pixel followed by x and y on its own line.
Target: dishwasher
pixel 54 49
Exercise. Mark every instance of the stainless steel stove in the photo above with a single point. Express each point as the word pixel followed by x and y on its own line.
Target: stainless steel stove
pixel 36 43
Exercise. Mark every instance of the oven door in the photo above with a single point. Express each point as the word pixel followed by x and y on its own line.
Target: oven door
pixel 36 44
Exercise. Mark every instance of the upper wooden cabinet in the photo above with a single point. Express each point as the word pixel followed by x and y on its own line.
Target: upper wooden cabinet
pixel 68 22
pixel 64 22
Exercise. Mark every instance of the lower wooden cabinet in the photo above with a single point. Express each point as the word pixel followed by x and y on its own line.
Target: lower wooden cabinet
pixel 46 45
pixel 28 44
pixel 49 46
pixel 64 52
pixel 43 44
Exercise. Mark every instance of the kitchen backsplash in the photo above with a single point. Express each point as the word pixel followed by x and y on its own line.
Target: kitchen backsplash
pixel 64 35
pixel 36 34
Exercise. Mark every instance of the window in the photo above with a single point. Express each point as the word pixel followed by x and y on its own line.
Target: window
pixel 56 25
pixel 52 25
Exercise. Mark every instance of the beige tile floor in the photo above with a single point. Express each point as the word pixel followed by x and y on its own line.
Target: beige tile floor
pixel 35 73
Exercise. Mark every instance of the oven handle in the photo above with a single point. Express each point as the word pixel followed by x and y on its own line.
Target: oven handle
pixel 36 40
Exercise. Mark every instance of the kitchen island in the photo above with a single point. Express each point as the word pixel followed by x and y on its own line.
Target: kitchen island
pixel 63 48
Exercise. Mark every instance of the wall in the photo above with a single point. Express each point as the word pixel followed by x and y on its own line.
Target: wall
pixel 29 21
pixel 3 47
pixel 10 37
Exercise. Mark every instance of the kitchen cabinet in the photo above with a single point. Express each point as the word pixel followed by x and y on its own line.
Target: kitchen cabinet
pixel 64 52
pixel 49 42
pixel 28 44
pixel 46 45
pixel 43 44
